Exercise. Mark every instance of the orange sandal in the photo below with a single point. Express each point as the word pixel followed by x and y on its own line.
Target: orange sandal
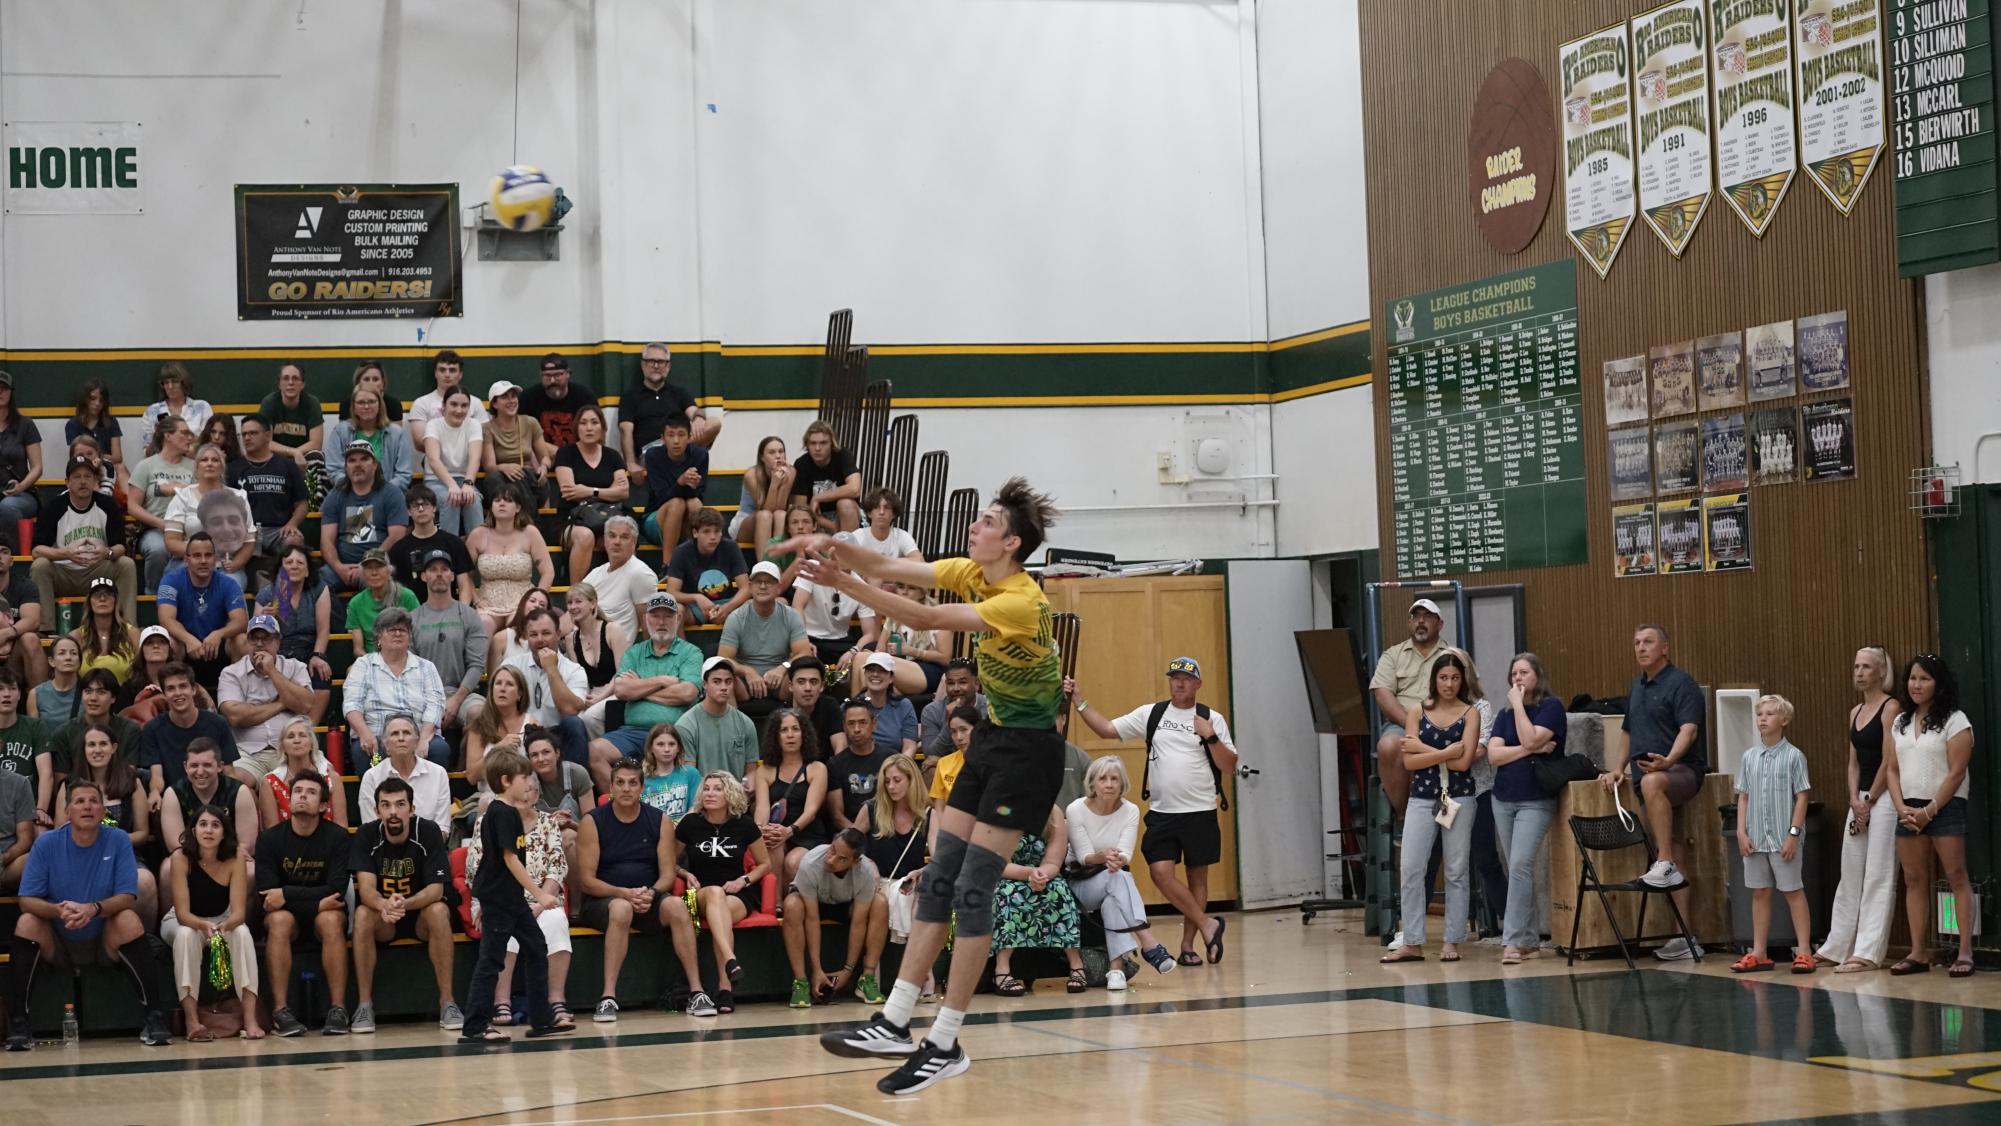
pixel 1750 964
pixel 1803 964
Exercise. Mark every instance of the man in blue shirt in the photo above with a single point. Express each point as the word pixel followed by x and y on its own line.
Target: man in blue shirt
pixel 676 471
pixel 78 900
pixel 1664 761
pixel 364 512
pixel 203 611
pixel 706 572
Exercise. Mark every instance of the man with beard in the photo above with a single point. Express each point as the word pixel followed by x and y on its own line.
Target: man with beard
pixel 402 885
pixel 658 680
pixel 1403 676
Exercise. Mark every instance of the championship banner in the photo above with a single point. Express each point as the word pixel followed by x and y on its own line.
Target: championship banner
pixel 73 168
pixel 1597 143
pixel 1671 106
pixel 1755 154
pixel 1841 95
pixel 341 252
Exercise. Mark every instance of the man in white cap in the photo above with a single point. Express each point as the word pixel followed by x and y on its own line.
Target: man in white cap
pixel 763 636
pixel 659 678
pixel 716 735
pixel 262 694
pixel 1190 743
pixel 1403 676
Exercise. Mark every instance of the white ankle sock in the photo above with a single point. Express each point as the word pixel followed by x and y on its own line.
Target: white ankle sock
pixel 902 1002
pixel 945 1030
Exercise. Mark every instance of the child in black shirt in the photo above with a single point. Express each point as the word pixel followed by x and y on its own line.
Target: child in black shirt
pixel 503 912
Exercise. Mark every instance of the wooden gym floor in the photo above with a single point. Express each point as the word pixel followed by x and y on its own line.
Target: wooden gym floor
pixel 1298 1025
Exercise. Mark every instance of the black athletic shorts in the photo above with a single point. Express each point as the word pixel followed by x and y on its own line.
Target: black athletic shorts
pixel 1193 839
pixel 597 914
pixel 1011 776
pixel 406 927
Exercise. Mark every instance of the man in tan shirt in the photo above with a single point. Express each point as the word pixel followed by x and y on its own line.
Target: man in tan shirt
pixel 1403 676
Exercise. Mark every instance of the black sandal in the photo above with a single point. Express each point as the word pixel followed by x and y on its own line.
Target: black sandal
pixel 1215 944
pixel 561 1017
pixel 491 1035
pixel 725 1001
pixel 503 1015
pixel 1189 958
pixel 1961 968
pixel 1008 985
pixel 1910 966
pixel 1079 981
pixel 733 970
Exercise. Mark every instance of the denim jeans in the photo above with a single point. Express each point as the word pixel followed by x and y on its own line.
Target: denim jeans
pixel 153 546
pixel 452 518
pixel 501 919
pixel 1419 830
pixel 1522 825
pixel 15 509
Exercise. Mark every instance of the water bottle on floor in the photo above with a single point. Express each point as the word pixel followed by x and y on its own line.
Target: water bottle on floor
pixel 72 1037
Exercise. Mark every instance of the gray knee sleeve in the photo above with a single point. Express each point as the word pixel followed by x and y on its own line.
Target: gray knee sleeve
pixel 973 897
pixel 934 887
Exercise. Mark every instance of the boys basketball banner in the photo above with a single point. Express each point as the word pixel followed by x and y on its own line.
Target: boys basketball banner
pixel 1597 143
pixel 1671 99
pixel 341 252
pixel 1755 154
pixel 1841 95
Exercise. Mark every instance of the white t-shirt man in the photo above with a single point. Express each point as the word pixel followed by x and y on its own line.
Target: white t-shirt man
pixel 827 611
pixel 540 706
pixel 1180 780
pixel 430 790
pixel 619 590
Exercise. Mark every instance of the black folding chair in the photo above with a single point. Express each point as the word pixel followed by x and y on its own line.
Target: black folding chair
pixel 1610 834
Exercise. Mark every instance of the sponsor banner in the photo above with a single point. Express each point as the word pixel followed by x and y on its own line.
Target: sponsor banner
pixel 1751 41
pixel 1671 116
pixel 1596 87
pixel 337 252
pixel 73 168
pixel 1840 58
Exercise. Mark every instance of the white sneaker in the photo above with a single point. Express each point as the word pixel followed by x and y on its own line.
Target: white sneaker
pixel 1115 980
pixel 1663 875
pixel 1396 940
pixel 1678 950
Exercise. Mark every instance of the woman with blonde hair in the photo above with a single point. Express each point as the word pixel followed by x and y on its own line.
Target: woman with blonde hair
pixel 894 824
pixel 299 749
pixel 595 642
pixel 511 557
pixel 1858 930
pixel 369 420
pixel 713 842
pixel 1104 829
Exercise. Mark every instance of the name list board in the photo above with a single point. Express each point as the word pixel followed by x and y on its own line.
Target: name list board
pixel 1487 425
pixel 1942 99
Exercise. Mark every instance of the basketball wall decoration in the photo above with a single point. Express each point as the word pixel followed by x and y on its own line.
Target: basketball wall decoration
pixel 1511 155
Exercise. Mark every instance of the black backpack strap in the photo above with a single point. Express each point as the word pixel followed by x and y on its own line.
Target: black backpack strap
pixel 1153 719
pixel 1216 772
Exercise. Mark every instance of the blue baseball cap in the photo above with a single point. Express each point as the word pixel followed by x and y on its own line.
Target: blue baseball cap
pixel 265 622
pixel 1185 666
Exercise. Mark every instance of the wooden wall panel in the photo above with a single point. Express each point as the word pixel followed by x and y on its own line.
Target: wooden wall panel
pixel 1131 629
pixel 1838 564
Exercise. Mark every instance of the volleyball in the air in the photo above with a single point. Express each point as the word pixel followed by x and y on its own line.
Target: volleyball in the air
pixel 522 198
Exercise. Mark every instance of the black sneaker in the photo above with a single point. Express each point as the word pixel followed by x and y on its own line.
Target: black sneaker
pixel 876 1038
pixel 156 1031
pixel 286 1023
pixel 336 1022
pixel 19 1039
pixel 927 1065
